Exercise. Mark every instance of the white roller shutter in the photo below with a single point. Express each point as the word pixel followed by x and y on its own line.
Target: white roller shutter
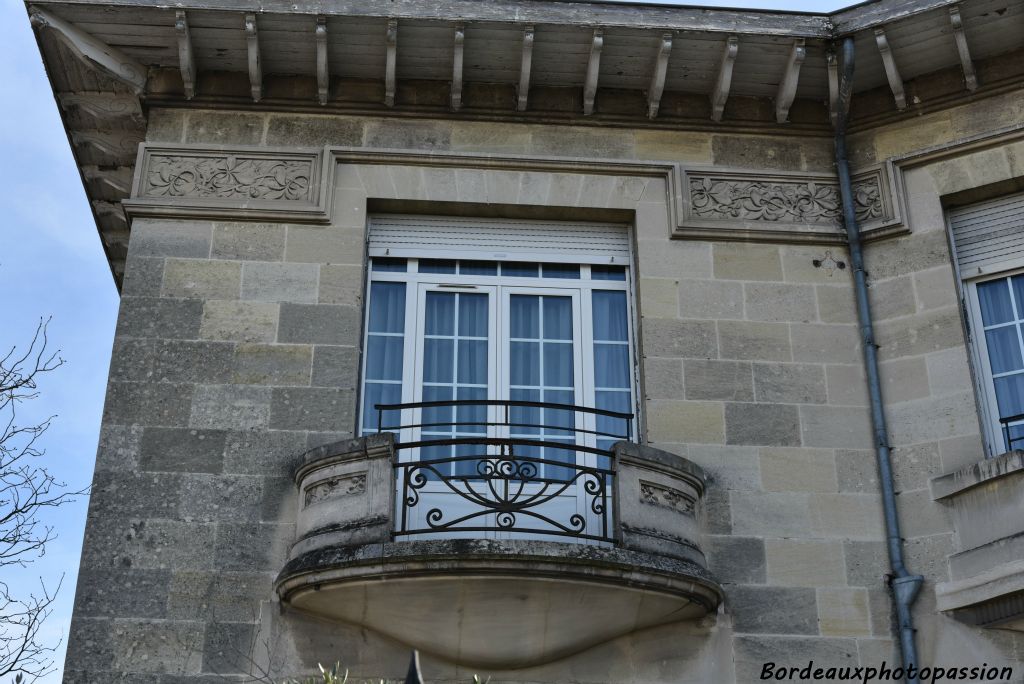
pixel 498 239
pixel 988 233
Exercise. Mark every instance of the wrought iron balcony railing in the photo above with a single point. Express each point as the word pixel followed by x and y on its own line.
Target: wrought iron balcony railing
pixel 504 468
pixel 1013 430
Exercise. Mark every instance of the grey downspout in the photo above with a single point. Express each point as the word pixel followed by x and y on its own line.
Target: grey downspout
pixel 905 586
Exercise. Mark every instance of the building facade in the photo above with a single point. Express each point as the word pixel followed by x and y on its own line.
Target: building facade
pixel 591 261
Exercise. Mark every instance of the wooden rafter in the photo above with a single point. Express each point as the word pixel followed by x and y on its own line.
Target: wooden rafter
pixel 891 72
pixel 252 40
pixel 657 86
pixel 323 79
pixel 790 80
pixel 525 65
pixel 966 63
pixel 724 80
pixel 593 70
pixel 392 57
pixel 186 57
pixel 460 40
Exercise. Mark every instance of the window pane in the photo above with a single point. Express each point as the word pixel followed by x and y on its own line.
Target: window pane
pixel 473 315
pixel 562 455
pixel 442 415
pixel 386 264
pixel 524 414
pixel 486 268
pixel 376 393
pixel 384 357
pixel 559 418
pixel 387 307
pixel 473 418
pixel 561 271
pixel 558 364
pixel 608 272
pixel 994 297
pixel 473 362
pixel 557 318
pixel 1003 349
pixel 524 366
pixel 440 315
pixel 525 317
pixel 1010 395
pixel 1018 294
pixel 613 401
pixel 438 360
pixel 437 266
pixel 610 320
pixel 611 365
pixel 517 269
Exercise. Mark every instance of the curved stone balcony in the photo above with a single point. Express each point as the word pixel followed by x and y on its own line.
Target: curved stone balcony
pixel 494 560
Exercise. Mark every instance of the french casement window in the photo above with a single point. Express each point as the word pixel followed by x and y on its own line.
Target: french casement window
pixel 988 239
pixel 462 309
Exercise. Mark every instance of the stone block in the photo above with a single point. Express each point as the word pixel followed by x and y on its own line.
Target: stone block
pixel 772 610
pixel 157 646
pixel 248 241
pixel 325 245
pixel 488 137
pixel 927 420
pixel 836 304
pixel 804 563
pixel 222 498
pixel 789 383
pixel 163 318
pixel 659 297
pixel 700 422
pixel 798 265
pixel 779 302
pixel 847 385
pixel 747 261
pixel 277 500
pixel 891 298
pixel 663 378
pixel 118 449
pixel 181 450
pixel 262 452
pixel 798 470
pixel 144 403
pixel 165 125
pixel 89 647
pixel 927 131
pixel 760 152
pixel 272 364
pixel 217 596
pixel 312 408
pixel 143 277
pixel 187 361
pixel 164 544
pixel 935 288
pixel 900 256
pixel 408 134
pixel 843 612
pixel 957 452
pixel 131 360
pixel 846 516
pixel 913 466
pixel 754 341
pixel 728 467
pixel 736 560
pixel 820 343
pixel 717 518
pixel 867 563
pixel 680 339
pixel 202 279
pixel 578 141
pixel 921 516
pixel 882 612
pixel 230 407
pixel 857 470
pixel 710 299
pixel 948 371
pixel 718 380
pixel 119 496
pixel 930 555
pixel 663 258
pixel 335 366
pixel 752 653
pixel 319 324
pixel 239 321
pixel 121 592
pixel 673 146
pixel 183 239
pixel 836 427
pixel 341 284
pixel 229 128
pixel 762 424
pixel 226 646
pixel 769 514
pixel 251 547
pixel 314 131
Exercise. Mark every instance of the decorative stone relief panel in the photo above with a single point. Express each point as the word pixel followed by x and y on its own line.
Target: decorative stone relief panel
pixel 335 487
pixel 666 497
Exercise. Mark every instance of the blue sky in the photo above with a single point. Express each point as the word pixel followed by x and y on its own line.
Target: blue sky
pixel 52 264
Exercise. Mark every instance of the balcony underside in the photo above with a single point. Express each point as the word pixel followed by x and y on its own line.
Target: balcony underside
pixel 497 603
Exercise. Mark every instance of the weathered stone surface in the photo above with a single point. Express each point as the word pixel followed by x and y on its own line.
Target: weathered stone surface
pixel 789 383
pixel 341 284
pixel 185 361
pixel 659 297
pixel 773 610
pixel 314 131
pixel 857 470
pixel 728 467
pixel 181 450
pixel 239 321
pixel 335 366
pixel 153 238
pixel 762 424
pixel 826 343
pixel 581 141
pixel 143 277
pixel 935 288
pixel 755 341
pixel 847 385
pixel 718 380
pixel 846 516
pixel 202 278
pixel 836 427
pixel 313 408
pixel 162 318
pixel 135 495
pixel 746 261
pixel 222 498
pixel 89 646
pixel 248 242
pixel 217 596
pixel 710 299
pixel 318 324
pixel 143 543
pixel 674 338
pixel 272 364
pixel 165 125
pixel 779 302
pixel 892 298
pixel 674 259
pixel 804 563
pixel 251 547
pixel 143 403
pixel 798 470
pixel 407 134
pixel 753 652
pixel 769 514
pixel 698 422
pixel 262 452
pixel 736 560
pixel 866 563
pixel 285 282
pixel 119 592
pixel 230 407
pixel 225 127
pixel 903 255
pixel 843 612
pixel 170 647
pixel 836 304
pixel 118 449
pixel 925 420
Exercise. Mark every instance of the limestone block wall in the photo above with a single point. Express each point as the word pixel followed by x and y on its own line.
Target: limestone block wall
pixel 237 347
